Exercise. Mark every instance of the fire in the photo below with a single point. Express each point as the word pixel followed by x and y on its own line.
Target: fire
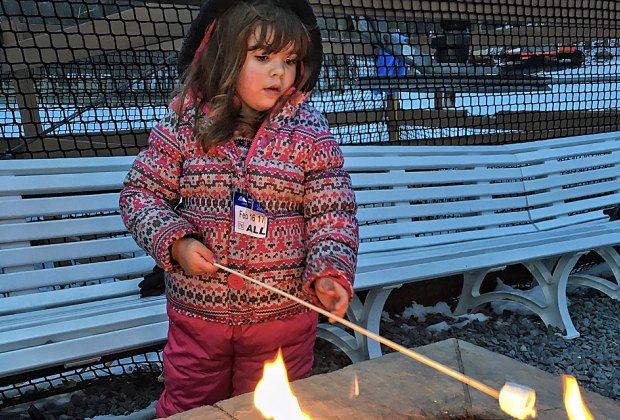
pixel 273 395
pixel 575 408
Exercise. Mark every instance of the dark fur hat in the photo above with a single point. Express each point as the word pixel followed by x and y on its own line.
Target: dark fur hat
pixel 211 9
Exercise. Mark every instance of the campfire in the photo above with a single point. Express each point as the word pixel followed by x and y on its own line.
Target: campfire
pixel 274 398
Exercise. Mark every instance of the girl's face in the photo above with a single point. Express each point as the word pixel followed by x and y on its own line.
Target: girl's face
pixel 265 77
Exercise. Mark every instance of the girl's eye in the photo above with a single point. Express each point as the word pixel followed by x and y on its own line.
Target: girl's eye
pixel 262 57
pixel 291 61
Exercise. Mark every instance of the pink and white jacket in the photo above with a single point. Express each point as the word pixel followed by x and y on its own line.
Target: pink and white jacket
pixel 293 169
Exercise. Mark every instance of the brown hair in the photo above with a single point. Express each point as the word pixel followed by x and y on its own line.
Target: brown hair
pixel 212 76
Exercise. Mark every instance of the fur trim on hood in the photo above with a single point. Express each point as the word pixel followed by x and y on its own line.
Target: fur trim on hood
pixel 212 9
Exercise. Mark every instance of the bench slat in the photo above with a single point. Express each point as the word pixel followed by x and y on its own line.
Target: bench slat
pixel 61 183
pixel 554 166
pixel 432 240
pixel 25 280
pixel 558 195
pixel 592 205
pixel 402 178
pixel 555 181
pixel 68 296
pixel 369 214
pixel 356 164
pixel 93 320
pixel 453 265
pixel 49 229
pixel 439 225
pixel 394 195
pixel 67 251
pixel 82 348
pixel 393 150
pixel 66 165
pixel 54 206
pixel 408 257
pixel 551 155
pixel 75 312
pixel 563 142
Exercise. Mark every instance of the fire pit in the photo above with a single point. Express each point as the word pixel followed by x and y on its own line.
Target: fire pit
pixel 397 387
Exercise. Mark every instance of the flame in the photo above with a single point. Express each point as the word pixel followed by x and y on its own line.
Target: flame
pixel 273 395
pixel 575 408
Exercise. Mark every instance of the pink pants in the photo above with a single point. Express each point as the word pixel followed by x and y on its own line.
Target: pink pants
pixel 205 362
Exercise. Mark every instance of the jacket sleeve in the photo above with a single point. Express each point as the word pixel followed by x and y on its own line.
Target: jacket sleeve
pixel 329 210
pixel 152 190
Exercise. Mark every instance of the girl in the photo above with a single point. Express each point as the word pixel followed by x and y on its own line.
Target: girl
pixel 244 172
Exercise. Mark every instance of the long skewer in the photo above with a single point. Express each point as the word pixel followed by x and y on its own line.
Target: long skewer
pixel 416 356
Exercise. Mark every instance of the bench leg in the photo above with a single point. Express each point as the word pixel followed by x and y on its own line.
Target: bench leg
pixel 552 276
pixel 470 297
pixel 554 311
pixel 367 315
pixel 610 288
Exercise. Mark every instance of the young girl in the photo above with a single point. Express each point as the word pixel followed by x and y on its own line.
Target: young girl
pixel 244 172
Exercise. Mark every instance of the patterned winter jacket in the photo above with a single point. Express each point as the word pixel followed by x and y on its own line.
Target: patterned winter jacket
pixel 293 169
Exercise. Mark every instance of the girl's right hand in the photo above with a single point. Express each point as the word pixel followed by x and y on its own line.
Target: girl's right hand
pixel 193 256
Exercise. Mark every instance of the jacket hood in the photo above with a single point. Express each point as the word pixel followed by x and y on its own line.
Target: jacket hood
pixel 213 9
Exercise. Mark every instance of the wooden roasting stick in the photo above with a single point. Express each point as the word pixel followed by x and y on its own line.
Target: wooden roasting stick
pixel 516 400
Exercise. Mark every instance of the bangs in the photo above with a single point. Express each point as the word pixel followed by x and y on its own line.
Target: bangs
pixel 280 34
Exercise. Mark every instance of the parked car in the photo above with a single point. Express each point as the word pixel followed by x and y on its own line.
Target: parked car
pixel 542 56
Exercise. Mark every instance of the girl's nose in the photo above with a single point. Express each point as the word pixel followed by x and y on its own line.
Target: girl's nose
pixel 278 68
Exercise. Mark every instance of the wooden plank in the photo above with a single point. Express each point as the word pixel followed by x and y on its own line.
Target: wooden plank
pixel 58 313
pixel 462 207
pixel 90 325
pixel 583 205
pixel 60 183
pixel 66 166
pixel 363 163
pixel 68 296
pixel 12 282
pixel 54 206
pixel 400 178
pixel 423 242
pixel 553 166
pixel 579 150
pixel 68 251
pixel 30 231
pixel 53 354
pixel 538 186
pixel 438 226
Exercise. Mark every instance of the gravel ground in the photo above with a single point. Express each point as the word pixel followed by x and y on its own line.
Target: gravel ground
pixel 593 358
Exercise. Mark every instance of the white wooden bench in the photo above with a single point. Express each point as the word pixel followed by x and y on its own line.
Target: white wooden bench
pixel 428 212
pixel 68 285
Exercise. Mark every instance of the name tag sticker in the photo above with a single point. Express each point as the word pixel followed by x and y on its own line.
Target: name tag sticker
pixel 250 218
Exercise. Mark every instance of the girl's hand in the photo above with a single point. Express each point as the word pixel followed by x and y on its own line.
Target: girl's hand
pixel 333 296
pixel 193 256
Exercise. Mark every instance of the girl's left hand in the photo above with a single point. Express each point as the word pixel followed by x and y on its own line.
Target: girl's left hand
pixel 333 296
